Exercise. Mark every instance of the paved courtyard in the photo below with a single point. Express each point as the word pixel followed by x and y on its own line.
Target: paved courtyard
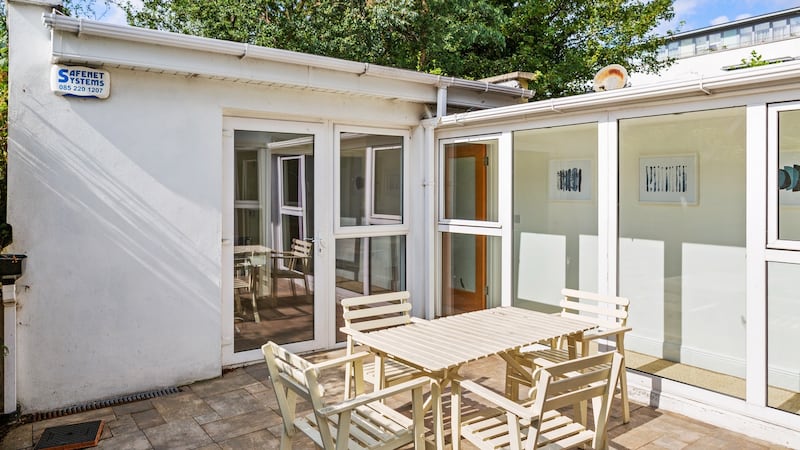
pixel 239 411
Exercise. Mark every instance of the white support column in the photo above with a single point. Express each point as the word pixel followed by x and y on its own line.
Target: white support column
pixel 10 342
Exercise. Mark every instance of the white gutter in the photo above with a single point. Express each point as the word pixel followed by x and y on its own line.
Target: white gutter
pixel 81 27
pixel 743 79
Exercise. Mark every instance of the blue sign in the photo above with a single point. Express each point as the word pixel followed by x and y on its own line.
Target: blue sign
pixel 80 81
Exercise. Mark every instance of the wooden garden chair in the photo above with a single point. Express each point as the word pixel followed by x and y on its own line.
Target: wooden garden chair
pixel 294 264
pixel 501 423
pixel 375 312
pixel 609 313
pixel 363 421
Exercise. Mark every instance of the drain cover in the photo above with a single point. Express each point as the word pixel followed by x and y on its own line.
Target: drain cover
pixel 67 437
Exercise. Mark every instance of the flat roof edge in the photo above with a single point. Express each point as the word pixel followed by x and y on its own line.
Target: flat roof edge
pixel 60 22
pixel 742 80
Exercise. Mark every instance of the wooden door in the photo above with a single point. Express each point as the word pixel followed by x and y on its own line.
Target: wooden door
pixel 464 279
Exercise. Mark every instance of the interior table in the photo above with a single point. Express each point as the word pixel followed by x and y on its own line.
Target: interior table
pixel 440 347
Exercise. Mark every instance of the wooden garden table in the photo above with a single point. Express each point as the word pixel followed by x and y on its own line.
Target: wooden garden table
pixel 440 347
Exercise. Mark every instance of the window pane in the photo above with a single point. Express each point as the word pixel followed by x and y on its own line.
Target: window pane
pixel 470 177
pixel 730 39
pixel 246 175
pixel 789 175
pixel 290 229
pixel 366 266
pixel 555 213
pixel 783 328
pixel 291 181
pixel 682 246
pixel 370 179
pixel 470 272
pixel 272 291
pixel 247 226
pixel 388 176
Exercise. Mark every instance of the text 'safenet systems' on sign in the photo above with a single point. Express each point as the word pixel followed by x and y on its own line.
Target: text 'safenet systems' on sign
pixel 80 81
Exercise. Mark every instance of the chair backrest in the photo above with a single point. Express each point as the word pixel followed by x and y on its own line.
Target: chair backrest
pixel 292 375
pixel 607 311
pixel 579 380
pixel 373 312
pixel 301 251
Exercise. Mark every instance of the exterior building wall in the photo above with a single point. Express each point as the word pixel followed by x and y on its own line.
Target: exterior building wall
pixel 118 205
pixel 711 64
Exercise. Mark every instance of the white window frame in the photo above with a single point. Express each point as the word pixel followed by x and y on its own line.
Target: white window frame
pixel 374 218
pixel 464 225
pixel 376 229
pixel 323 301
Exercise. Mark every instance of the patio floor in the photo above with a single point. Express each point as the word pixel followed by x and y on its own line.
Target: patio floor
pixel 239 411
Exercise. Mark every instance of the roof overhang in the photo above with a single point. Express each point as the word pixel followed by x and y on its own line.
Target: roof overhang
pixel 772 77
pixel 99 44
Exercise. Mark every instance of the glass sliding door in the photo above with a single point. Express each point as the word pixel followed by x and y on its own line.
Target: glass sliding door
pixel 273 257
pixel 681 246
pixel 555 214
pixel 783 262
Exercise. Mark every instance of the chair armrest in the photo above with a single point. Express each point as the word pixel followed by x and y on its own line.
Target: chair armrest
pixel 498 400
pixel 363 399
pixel 601 334
pixel 342 360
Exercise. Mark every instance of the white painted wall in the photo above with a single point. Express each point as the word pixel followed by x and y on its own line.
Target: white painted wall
pixel 117 204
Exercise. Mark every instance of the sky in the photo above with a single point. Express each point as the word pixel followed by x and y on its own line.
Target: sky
pixel 694 13
pixel 705 13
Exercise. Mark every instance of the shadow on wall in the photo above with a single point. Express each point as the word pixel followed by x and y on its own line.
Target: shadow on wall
pixel 124 233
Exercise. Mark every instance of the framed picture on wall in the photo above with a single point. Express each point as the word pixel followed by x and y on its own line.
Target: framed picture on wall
pixel 789 178
pixel 570 179
pixel 668 179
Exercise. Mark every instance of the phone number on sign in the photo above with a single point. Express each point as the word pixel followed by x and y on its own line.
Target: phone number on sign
pixel 84 89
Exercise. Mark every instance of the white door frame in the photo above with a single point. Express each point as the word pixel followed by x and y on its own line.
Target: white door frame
pixel 322 231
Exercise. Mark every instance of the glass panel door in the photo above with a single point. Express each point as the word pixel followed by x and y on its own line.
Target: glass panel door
pixel 468 217
pixel 273 263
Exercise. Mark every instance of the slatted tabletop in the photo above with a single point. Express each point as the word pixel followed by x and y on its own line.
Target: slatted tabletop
pixel 449 342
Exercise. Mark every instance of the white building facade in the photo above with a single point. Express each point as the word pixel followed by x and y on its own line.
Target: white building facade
pixel 151 218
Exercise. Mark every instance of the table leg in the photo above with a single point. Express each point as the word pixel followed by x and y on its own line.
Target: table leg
pixel 455 415
pixel 437 414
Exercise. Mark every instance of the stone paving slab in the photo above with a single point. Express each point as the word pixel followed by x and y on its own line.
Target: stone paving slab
pixel 239 411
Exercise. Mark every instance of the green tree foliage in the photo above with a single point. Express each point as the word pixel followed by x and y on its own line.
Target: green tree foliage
pixel 564 41
pixel 5 228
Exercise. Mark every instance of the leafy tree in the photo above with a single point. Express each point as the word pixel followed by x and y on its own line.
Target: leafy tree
pixel 5 228
pixel 564 41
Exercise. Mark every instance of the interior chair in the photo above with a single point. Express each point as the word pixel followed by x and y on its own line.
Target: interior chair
pixel 292 265
pixel 538 423
pixel 361 421
pixel 375 312
pixel 248 272
pixel 609 313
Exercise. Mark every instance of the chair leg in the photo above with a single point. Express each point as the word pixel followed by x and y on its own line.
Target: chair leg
pixel 256 316
pixel 274 290
pixel 623 384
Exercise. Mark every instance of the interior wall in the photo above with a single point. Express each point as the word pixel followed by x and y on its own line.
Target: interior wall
pixel 682 263
pixel 553 236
